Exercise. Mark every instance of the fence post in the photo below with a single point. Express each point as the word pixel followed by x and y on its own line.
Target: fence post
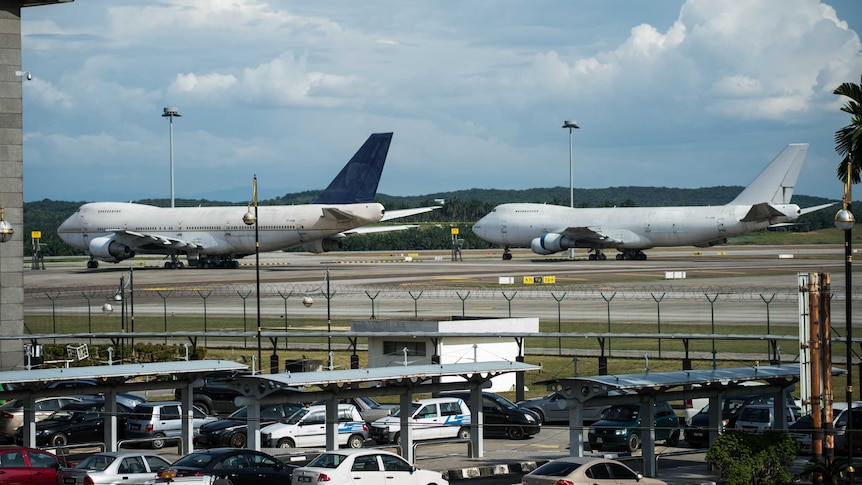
pixel 244 298
pixel 201 294
pixel 463 299
pixel 658 314
pixel 372 302
pixel 283 297
pixel 712 319
pixel 165 307
pixel 416 302
pixel 608 301
pixel 559 321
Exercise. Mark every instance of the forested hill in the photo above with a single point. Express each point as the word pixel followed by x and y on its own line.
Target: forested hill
pixel 463 206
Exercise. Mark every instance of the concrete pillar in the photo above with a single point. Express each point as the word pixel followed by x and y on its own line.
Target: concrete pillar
pixel 11 186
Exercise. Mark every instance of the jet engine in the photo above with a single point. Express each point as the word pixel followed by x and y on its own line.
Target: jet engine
pixel 106 249
pixel 322 245
pixel 551 243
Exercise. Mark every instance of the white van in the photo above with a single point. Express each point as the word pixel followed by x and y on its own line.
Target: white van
pixel 307 428
pixel 442 417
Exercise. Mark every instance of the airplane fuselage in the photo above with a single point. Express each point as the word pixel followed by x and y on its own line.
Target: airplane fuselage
pixel 211 230
pixel 517 225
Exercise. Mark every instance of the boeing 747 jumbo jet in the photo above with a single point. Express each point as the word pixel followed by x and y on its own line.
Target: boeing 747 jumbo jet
pixel 214 237
pixel 548 229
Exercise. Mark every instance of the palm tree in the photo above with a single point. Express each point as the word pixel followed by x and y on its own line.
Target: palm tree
pixel 848 140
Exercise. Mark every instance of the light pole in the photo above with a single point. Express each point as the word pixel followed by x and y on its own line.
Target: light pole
pixel 844 220
pixel 250 219
pixel 169 112
pixel 570 124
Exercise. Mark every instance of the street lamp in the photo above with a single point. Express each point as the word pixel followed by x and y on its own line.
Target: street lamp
pixel 250 219
pixel 844 221
pixel 570 124
pixel 169 112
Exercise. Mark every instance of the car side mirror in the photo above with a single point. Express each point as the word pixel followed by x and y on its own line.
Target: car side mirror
pixel 640 476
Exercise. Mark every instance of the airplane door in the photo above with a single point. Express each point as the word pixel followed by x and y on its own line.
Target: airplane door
pixel 722 230
pixel 504 233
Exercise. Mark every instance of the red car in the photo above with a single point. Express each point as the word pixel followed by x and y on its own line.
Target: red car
pixel 29 466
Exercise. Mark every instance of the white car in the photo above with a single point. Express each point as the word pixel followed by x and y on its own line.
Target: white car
pixel 307 428
pixel 363 467
pixel 442 417
pixel 757 418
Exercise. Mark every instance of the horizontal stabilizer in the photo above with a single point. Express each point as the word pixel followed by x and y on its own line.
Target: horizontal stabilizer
pixel 761 212
pixel 816 208
pixel 397 214
pixel 336 214
pixel 374 229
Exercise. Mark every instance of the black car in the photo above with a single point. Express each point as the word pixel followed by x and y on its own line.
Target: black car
pixel 502 417
pixel 242 467
pixel 232 431
pixel 77 422
pixel 697 432
pixel 214 396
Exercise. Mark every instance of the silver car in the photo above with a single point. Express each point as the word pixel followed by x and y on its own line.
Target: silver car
pixel 549 410
pixel 12 413
pixel 109 468
pixel 160 421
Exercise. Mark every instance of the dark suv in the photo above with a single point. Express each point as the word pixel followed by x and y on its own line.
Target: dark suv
pixel 502 417
pixel 77 422
pixel 620 427
pixel 214 396
pixel 232 431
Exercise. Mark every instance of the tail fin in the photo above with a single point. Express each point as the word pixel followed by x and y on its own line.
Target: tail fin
pixel 357 181
pixel 775 184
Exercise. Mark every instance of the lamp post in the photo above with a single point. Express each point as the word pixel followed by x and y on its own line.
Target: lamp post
pixel 844 220
pixel 570 124
pixel 250 219
pixel 169 112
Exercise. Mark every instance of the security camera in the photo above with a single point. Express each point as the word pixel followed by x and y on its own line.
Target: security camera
pixel 24 74
pixel 29 76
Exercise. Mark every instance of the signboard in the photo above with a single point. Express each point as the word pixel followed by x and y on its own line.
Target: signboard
pixel 36 235
pixel 540 280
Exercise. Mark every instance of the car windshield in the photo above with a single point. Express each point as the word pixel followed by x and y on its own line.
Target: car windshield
pixel 297 416
pixel 558 468
pixel 241 413
pixel 96 463
pixel 13 404
pixel 505 403
pixel 196 460
pixel 622 413
pixel 327 460
pixel 414 406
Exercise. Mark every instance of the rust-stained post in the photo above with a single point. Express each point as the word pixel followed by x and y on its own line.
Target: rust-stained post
pixel 826 352
pixel 814 346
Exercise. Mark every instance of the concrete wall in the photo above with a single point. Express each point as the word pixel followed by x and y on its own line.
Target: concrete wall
pixel 11 186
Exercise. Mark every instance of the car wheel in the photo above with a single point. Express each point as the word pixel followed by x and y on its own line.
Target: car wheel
pixel 355 441
pixel 397 438
pixel 673 439
pixel 286 443
pixel 515 433
pixel 464 433
pixel 634 442
pixel 237 440
pixel 539 414
pixel 59 439
pixel 158 444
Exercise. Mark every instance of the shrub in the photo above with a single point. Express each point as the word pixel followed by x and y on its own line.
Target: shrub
pixel 753 459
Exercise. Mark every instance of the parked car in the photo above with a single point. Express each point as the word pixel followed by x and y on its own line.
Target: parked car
pixel 549 411
pixel 214 397
pixel 12 413
pixel 161 420
pixel 307 428
pixel 364 466
pixel 501 417
pixel 19 465
pixel 241 467
pixel 621 427
pixel 758 418
pixel 112 467
pixel 77 422
pixel 697 432
pixel 127 399
pixel 586 470
pixel 370 409
pixel 232 430
pixel 442 417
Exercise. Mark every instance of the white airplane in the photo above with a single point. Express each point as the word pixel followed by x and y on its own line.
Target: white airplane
pixel 214 237
pixel 548 229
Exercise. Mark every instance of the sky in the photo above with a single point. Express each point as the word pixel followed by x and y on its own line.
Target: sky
pixel 670 93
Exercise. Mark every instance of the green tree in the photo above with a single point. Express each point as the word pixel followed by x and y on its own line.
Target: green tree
pixel 848 140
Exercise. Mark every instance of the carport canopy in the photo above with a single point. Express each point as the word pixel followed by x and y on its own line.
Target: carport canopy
pixel 374 381
pixel 649 387
pixel 29 385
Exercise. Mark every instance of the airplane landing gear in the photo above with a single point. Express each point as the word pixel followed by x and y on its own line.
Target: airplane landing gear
pixel 632 255
pixel 597 255
pixel 93 263
pixel 174 263
pixel 507 255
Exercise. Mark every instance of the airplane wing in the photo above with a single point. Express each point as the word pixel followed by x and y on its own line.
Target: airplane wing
pixel 397 214
pixel 761 212
pixel 152 241
pixel 816 208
